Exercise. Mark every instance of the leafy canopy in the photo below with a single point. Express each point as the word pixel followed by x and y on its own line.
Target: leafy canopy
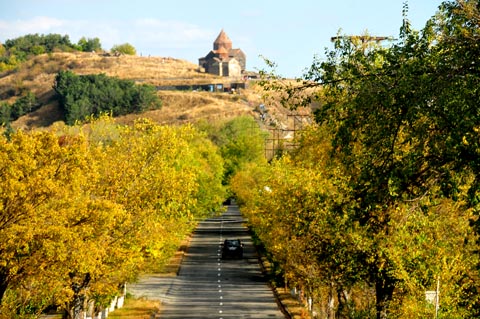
pixel 82 96
pixel 403 137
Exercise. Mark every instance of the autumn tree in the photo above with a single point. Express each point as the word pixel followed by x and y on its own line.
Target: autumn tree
pixel 164 178
pixel 45 187
pixel 404 126
pixel 84 210
pixel 299 206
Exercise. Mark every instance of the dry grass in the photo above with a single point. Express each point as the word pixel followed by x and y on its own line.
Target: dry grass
pixel 182 107
pixel 294 307
pixel 179 107
pixel 43 117
pixel 39 72
pixel 136 309
pixel 38 75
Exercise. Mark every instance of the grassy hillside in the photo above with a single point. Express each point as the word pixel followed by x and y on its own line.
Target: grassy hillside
pixel 38 74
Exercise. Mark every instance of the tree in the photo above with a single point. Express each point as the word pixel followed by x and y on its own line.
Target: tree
pixel 84 210
pixel 31 43
pixel 84 95
pixel 43 186
pixel 89 45
pixel 240 141
pixel 5 113
pixel 404 123
pixel 125 48
pixel 299 207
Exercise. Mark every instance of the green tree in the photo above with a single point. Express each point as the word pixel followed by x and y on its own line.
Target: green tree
pixel 89 45
pixel 23 105
pixel 240 141
pixel 5 113
pixel 125 48
pixel 31 43
pixel 84 95
pixel 404 123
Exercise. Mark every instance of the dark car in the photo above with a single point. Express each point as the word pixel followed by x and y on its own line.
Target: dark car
pixel 232 248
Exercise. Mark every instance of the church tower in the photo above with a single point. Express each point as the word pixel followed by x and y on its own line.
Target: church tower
pixel 222 41
pixel 223 60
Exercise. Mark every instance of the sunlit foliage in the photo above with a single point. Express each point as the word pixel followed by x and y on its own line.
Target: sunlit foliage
pixel 380 202
pixel 83 210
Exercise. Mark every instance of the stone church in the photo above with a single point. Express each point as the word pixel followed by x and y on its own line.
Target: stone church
pixel 223 60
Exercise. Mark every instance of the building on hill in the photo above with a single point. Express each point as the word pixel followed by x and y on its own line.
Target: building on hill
pixel 223 60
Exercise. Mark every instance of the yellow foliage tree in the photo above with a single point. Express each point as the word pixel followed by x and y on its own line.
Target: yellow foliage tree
pixel 83 209
pixel 47 212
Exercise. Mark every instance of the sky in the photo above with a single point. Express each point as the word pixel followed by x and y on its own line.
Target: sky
pixel 289 33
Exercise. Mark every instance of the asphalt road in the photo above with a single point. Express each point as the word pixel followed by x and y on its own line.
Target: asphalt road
pixel 208 286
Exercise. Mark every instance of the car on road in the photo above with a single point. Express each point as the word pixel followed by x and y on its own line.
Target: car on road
pixel 232 248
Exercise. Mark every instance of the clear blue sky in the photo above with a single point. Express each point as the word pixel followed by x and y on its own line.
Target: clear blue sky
pixel 287 32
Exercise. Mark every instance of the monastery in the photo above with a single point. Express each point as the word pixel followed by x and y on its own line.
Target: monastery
pixel 223 60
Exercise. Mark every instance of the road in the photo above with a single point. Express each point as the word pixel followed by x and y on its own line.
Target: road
pixel 210 287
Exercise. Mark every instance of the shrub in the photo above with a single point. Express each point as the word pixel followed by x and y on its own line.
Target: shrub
pixel 125 48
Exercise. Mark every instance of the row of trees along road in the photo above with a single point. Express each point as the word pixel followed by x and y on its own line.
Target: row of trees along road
pixel 381 199
pixel 84 210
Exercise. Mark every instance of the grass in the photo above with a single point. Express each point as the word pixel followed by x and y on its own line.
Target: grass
pixel 295 308
pixel 141 308
pixel 182 107
pixel 136 309
pixel 38 74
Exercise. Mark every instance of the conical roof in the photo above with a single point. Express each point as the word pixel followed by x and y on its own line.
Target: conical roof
pixel 222 41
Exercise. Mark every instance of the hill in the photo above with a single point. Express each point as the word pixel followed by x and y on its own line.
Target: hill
pixel 37 75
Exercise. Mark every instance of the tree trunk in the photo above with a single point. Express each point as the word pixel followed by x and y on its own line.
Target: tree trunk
pixel 77 305
pixel 384 287
pixel 343 309
pixel 331 302
pixel 3 286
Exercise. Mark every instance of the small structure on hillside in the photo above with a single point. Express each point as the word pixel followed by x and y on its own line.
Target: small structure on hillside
pixel 223 60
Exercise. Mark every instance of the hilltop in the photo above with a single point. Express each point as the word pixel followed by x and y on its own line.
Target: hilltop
pixel 38 74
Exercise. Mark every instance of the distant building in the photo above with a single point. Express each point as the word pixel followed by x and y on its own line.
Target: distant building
pixel 223 60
